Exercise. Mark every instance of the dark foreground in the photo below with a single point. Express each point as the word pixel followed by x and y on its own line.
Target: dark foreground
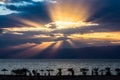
pixel 59 77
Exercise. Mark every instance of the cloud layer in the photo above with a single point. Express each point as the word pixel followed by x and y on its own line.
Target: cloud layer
pixel 24 22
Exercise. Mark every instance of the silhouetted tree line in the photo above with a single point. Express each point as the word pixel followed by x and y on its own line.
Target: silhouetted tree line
pixel 94 72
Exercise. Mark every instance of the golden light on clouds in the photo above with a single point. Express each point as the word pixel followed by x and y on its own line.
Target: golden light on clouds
pixel 52 36
pixel 64 14
pixel 97 35
pixel 70 14
pixel 115 42
pixel 27 25
pixel 65 25
pixel 41 36
pixel 58 35
pixel 24 29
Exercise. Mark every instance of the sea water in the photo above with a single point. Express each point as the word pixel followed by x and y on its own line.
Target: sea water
pixel 76 64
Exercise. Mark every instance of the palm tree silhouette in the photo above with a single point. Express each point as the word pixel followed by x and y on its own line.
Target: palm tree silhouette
pixel 108 71
pixel 102 72
pixel 118 71
pixel 4 70
pixel 95 71
pixel 42 71
pixel 34 72
pixel 71 70
pixel 23 71
pixel 84 71
pixel 49 71
pixel 59 72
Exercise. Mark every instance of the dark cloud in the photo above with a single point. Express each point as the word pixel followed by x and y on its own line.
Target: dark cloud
pixel 8 21
pixel 1 31
pixel 13 39
pixel 105 52
pixel 109 13
pixel 37 11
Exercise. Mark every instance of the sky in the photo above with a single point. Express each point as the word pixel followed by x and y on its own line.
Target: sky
pixel 59 29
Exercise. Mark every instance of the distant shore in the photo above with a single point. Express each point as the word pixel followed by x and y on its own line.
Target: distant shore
pixel 14 77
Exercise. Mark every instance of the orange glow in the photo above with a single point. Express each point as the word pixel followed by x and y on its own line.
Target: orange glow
pixel 58 35
pixel 57 45
pixel 97 35
pixel 70 14
pixel 64 25
pixel 116 42
pixel 69 10
pixel 54 36
pixel 35 50
pixel 41 36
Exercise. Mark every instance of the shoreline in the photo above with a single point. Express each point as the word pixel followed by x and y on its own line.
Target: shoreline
pixel 15 77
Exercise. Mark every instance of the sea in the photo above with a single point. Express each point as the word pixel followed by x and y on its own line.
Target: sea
pixel 55 64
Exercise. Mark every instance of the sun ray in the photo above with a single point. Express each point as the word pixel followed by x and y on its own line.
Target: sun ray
pixel 55 48
pixel 69 10
pixel 70 14
pixel 57 45
pixel 21 46
pixel 34 50
pixel 72 43
pixel 17 47
pixel 27 25
pixel 29 22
